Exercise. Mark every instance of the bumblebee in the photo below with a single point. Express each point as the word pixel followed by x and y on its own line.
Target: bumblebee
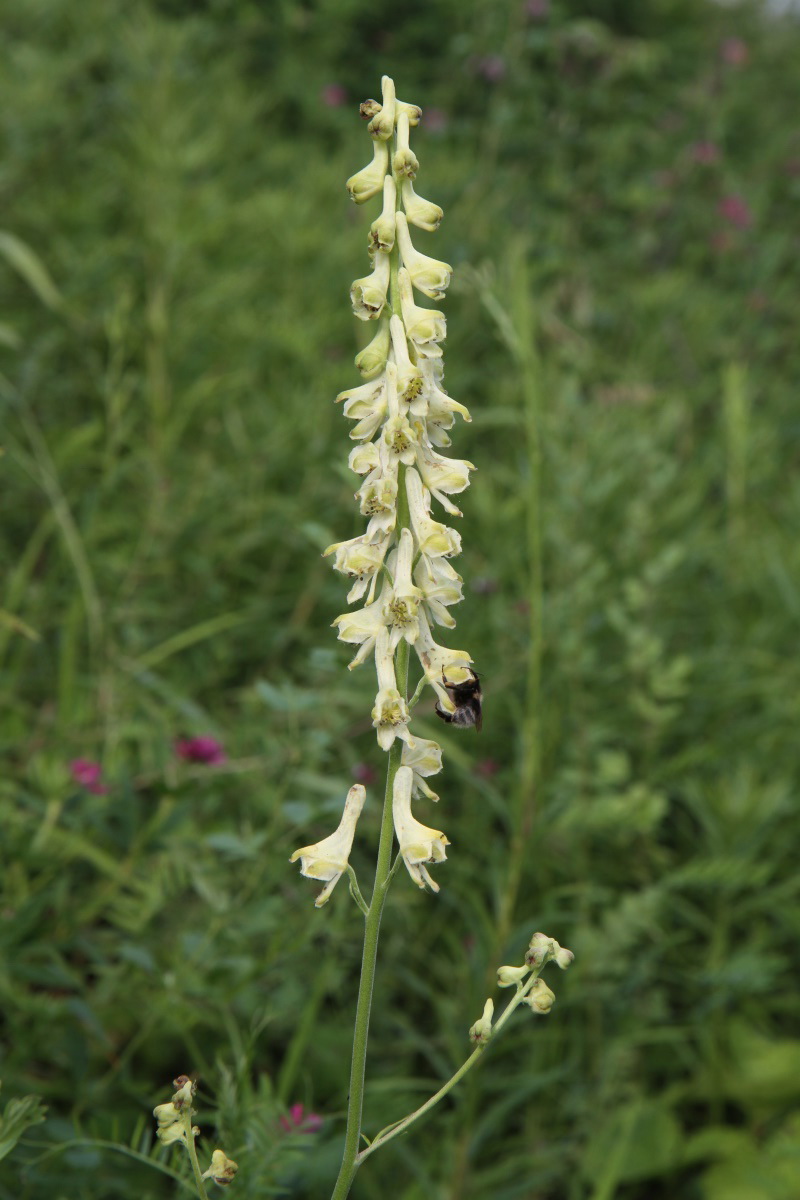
pixel 468 699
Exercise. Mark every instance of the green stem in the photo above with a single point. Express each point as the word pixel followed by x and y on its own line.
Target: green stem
pixel 372 926
pixel 192 1149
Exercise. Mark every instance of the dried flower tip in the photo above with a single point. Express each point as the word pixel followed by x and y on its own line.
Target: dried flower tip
pixel 540 999
pixel 368 109
pixel 412 111
pixel 367 182
pixel 382 124
pixel 511 976
pixel 185 1089
pixel 481 1031
pixel 222 1169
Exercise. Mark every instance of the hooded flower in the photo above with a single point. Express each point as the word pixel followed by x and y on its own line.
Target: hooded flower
pixel 433 538
pixel 382 229
pixel 422 213
pixel 441 664
pixel 366 405
pixel 222 1169
pixel 369 181
pixel 441 586
pixel 382 124
pixel 441 475
pixel 425 327
pixel 418 844
pixel 390 714
pixel 371 361
pixel 327 860
pixel 398 436
pixel 409 376
pixel 358 559
pixel 428 275
pixel 368 295
pixel 405 163
pixel 425 759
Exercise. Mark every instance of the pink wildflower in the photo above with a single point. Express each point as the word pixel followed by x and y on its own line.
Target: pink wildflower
pixel 363 773
pixel 203 749
pixel 537 10
pixel 736 211
pixel 706 153
pixel 333 95
pixel 88 775
pixel 299 1121
pixel 486 768
pixel 734 51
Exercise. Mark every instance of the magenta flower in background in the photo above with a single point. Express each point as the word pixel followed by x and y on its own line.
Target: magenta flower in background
pixel 333 95
pixel 299 1121
pixel 363 773
pixel 736 211
pixel 434 120
pixel 491 67
pixel 203 749
pixel 88 774
pixel 734 51
pixel 537 10
pixel 706 153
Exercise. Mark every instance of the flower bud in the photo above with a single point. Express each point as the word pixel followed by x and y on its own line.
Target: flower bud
pixel 405 162
pixel 368 295
pixel 222 1169
pixel 563 958
pixel 369 181
pixel 540 999
pixel 541 950
pixel 382 229
pixel 509 976
pixel 372 359
pixel 481 1031
pixel 422 213
pixel 412 111
pixel 382 124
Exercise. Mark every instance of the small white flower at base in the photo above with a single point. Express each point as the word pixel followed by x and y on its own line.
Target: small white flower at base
pixel 418 843
pixel 511 976
pixel 327 860
pixel 222 1169
pixel 481 1031
pixel 369 181
pixel 540 999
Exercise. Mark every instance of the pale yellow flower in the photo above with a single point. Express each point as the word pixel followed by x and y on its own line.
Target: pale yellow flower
pixel 418 843
pixel 327 860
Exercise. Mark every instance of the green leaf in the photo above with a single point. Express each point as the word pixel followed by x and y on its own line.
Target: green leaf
pixel 18 1116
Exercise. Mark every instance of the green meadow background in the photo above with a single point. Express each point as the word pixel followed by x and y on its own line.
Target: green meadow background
pixel 620 180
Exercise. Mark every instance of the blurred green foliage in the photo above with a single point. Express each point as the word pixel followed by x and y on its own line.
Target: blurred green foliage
pixel 620 180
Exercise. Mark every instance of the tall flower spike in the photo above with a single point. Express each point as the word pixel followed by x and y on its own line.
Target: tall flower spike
pixel 400 579
pixel 327 860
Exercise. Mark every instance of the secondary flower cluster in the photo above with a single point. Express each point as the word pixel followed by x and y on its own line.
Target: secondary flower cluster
pixel 399 567
pixel 174 1121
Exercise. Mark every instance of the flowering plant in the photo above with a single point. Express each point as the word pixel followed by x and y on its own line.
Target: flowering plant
pixel 400 573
